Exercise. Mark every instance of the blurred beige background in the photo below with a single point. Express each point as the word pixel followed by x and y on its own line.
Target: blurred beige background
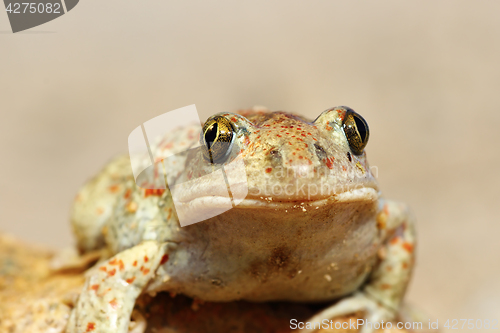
pixel 426 77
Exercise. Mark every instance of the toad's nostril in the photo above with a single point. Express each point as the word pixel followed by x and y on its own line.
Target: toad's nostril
pixel 320 152
pixel 275 154
pixel 276 158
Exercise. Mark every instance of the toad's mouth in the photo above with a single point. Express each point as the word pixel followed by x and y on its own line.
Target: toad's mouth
pixel 200 206
pixel 241 193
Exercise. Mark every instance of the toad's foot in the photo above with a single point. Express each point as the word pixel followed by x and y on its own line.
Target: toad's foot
pixel 374 312
pixel 111 289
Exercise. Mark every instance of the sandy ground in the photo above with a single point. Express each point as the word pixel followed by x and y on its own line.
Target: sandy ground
pixel 425 76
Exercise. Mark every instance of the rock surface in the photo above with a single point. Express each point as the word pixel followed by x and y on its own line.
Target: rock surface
pixel 34 298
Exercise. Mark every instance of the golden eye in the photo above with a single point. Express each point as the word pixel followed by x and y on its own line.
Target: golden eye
pixel 356 131
pixel 218 135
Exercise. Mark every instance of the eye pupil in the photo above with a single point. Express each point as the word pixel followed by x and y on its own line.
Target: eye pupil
pixel 218 135
pixel 356 131
pixel 361 128
pixel 211 134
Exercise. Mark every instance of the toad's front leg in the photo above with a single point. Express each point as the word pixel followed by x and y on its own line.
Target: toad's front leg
pixel 381 296
pixel 112 287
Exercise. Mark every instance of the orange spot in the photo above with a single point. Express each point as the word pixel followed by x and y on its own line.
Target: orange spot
pixel 112 272
pixel 394 240
pixel 146 259
pixel 268 170
pixel 328 128
pixel 122 266
pixel 145 271
pixel 405 265
pixel 135 263
pixel 302 134
pixel 130 280
pixel 385 286
pixel 153 191
pixel 164 259
pixel 113 262
pixel 289 143
pixel 408 247
pixel 329 163
pixel 114 188
pixel 344 168
pixel 113 303
pixel 99 210
pixel 103 268
pixel 94 287
pixel 128 192
pixel 301 157
pixel 90 327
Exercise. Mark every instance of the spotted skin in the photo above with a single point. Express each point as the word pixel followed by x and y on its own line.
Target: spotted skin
pixel 313 226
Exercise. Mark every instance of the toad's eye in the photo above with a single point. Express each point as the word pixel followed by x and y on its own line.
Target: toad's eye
pixel 217 136
pixel 356 131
